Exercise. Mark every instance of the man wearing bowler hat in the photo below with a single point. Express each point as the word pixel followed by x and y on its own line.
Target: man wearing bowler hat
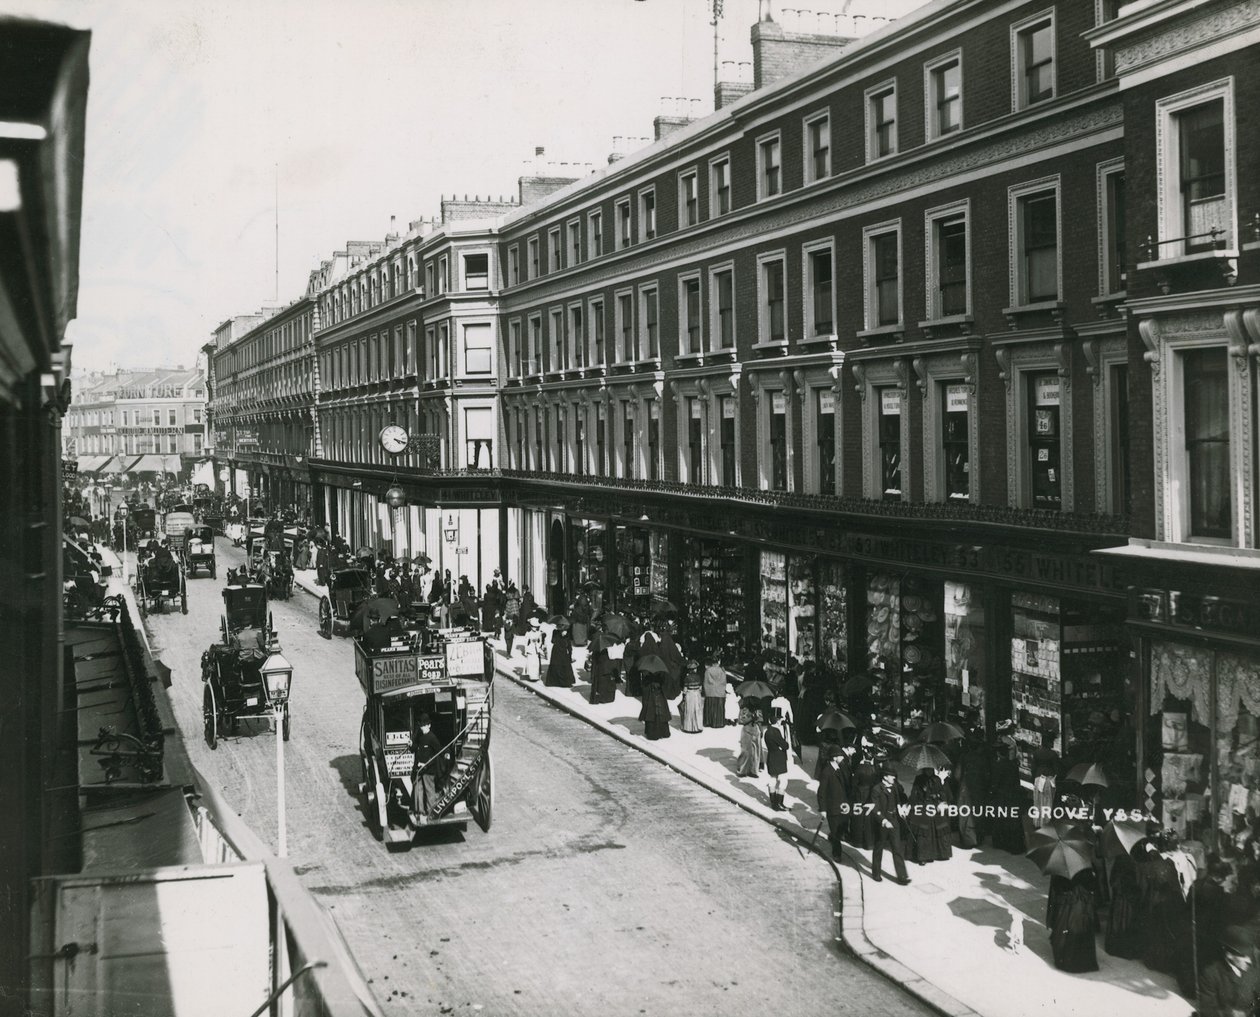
pixel 886 818
pixel 1230 986
pixel 427 748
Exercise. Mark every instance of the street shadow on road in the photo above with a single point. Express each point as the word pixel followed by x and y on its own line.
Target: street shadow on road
pixel 349 769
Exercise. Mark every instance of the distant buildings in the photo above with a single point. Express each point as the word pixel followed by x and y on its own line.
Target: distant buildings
pixel 116 419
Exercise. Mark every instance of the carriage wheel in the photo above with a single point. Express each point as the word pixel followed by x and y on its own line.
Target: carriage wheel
pixel 374 802
pixel 286 722
pixel 482 802
pixel 210 716
pixel 325 618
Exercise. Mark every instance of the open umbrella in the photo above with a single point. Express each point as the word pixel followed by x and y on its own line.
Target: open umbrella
pixel 1121 836
pixel 79 522
pixel 662 607
pixel 650 664
pixel 834 720
pixel 365 552
pixel 756 689
pixel 1062 849
pixel 616 625
pixel 941 731
pixel 857 684
pixel 559 620
pixel 1088 773
pixel 925 757
pixel 422 559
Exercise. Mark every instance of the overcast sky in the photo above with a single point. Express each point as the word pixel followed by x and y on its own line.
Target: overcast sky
pixel 362 109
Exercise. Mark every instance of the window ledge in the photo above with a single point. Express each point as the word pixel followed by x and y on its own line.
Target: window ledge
pixel 1055 308
pixel 653 363
pixel 775 348
pixel 721 354
pixel 881 332
pixel 1109 298
pixel 1251 245
pixel 687 358
pixel 825 338
pixel 960 321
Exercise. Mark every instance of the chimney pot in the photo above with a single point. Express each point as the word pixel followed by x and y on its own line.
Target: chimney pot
pixel 539 150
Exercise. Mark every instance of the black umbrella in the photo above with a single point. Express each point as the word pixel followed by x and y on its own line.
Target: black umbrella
pixel 559 620
pixel 922 756
pixel 650 664
pixel 834 720
pixel 664 607
pixel 616 625
pixel 941 731
pixel 1062 849
pixel 755 688
pixel 79 521
pixel 422 559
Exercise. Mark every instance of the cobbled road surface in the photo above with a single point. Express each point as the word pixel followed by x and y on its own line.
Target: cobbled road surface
pixel 607 885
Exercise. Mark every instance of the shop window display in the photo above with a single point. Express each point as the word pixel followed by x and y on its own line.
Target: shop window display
pixel 883 645
pixel 634 569
pixel 1067 682
pixel 774 614
pixel 713 597
pixel 833 617
pixel 1181 738
pixel 803 631
pixel 592 561
pixel 964 649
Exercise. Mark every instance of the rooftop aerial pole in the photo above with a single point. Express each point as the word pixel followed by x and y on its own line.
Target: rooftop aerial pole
pixel 716 6
pixel 276 295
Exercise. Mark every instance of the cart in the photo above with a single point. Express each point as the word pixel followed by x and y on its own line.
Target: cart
pixel 199 551
pixel 143 520
pixel 448 675
pixel 231 670
pixel 275 571
pixel 347 589
pixel 159 581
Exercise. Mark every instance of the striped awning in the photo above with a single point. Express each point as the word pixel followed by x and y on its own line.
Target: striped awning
pixel 90 464
pixel 155 464
pixel 118 464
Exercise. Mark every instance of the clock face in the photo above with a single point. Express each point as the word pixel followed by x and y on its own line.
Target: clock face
pixel 393 439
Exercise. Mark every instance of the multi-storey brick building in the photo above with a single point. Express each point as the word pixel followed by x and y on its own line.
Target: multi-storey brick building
pixel 139 422
pixel 875 366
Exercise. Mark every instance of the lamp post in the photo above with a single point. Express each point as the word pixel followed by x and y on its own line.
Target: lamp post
pixel 277 675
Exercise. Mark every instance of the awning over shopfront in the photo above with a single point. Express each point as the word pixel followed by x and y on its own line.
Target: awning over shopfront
pixel 90 464
pixel 119 464
pixel 156 464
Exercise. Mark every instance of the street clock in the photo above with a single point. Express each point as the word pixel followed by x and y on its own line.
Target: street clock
pixel 394 439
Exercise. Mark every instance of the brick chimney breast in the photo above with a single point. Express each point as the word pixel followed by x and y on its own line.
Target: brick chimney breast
pixel 778 54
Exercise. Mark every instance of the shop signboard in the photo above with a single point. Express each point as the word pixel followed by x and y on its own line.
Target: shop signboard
pixel 465 659
pixel 1047 390
pixel 246 437
pixel 778 403
pixel 890 402
pixel 826 401
pixel 728 409
pixel 1198 612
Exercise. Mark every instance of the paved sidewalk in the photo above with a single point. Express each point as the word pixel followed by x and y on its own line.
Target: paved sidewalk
pixel 967 937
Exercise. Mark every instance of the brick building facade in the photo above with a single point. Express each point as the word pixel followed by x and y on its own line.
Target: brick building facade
pixel 859 369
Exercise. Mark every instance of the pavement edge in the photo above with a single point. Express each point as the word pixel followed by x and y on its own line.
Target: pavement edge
pixel 851 913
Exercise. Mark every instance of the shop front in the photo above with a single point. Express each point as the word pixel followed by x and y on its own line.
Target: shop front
pixel 619 566
pixel 1199 669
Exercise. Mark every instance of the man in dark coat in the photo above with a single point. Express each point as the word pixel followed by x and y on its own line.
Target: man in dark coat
pixel 886 817
pixel 835 798
pixel 1230 986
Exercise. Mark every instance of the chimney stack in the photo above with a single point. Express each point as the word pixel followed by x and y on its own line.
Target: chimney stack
pixel 777 53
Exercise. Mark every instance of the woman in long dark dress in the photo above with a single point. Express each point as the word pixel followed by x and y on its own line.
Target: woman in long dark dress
pixel 1164 913
pixel 560 663
pixel 1124 923
pixel 1070 917
pixel 1006 793
pixel 865 777
pixel 930 837
pixel 606 670
pixel 655 711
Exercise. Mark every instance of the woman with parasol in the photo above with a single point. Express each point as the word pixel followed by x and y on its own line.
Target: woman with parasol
pixel 930 836
pixel 653 672
pixel 608 647
pixel 1065 852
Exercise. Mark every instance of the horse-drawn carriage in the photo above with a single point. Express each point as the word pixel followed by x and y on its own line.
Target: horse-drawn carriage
pixel 348 588
pixel 234 684
pixel 159 578
pixel 269 551
pixel 199 551
pixel 414 779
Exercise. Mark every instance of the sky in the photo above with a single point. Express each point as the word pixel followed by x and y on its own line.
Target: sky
pixel 208 120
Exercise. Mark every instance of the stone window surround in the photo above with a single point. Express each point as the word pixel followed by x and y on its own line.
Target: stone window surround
pixel 710 385
pixel 871 374
pixel 759 147
pixel 1103 171
pixel 808 383
pixel 1016 360
pixel 1101 356
pixel 808 175
pixel 683 279
pixel 869 301
pixel 1015 196
pixel 764 385
pixel 931 220
pixel 868 106
pixel 807 290
pixel 1018 101
pixel 932 373
pixel 764 259
pixel 1176 328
